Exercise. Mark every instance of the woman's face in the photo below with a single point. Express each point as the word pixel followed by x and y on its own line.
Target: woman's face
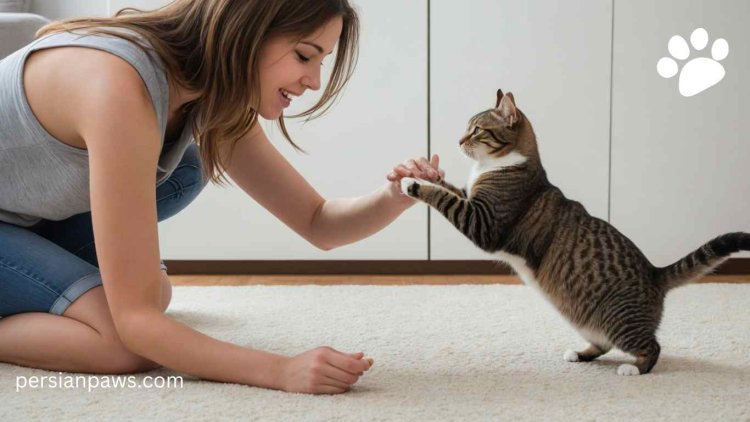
pixel 290 66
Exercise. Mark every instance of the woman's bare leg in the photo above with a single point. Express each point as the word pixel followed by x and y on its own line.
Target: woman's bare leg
pixel 82 340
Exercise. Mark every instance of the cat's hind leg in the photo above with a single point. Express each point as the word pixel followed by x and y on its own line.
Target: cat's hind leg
pixel 599 344
pixel 592 352
pixel 646 357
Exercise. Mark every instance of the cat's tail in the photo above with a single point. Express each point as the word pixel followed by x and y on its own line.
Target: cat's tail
pixel 703 260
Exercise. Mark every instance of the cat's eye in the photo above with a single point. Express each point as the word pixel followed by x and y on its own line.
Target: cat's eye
pixel 476 130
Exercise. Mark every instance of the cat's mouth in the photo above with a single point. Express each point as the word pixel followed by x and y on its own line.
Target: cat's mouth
pixel 467 151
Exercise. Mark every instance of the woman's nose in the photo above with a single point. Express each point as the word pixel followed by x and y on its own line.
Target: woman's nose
pixel 312 81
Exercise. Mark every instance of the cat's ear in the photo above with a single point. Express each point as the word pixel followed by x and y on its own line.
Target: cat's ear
pixel 499 97
pixel 507 108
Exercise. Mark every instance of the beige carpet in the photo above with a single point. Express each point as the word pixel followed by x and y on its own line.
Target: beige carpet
pixel 492 352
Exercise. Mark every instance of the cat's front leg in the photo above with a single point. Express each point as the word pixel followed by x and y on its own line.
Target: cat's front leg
pixel 423 190
pixel 442 182
pixel 467 215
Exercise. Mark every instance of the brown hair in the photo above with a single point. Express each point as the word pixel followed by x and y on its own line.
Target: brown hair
pixel 212 47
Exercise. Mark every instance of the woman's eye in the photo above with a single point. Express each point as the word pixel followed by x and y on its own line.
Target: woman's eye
pixel 306 59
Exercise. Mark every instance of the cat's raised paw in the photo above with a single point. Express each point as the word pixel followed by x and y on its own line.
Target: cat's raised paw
pixel 628 370
pixel 410 186
pixel 570 356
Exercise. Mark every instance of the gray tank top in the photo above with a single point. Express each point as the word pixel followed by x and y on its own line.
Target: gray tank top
pixel 40 176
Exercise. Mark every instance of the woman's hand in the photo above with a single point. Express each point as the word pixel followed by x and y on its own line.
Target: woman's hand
pixel 323 371
pixel 418 168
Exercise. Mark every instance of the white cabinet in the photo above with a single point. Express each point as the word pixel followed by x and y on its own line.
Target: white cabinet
pixel 679 164
pixel 379 121
pixel 555 58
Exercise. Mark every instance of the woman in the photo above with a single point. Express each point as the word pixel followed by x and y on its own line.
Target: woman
pixel 96 112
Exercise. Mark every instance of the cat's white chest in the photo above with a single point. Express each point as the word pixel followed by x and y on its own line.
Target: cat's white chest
pixel 524 272
pixel 473 176
pixel 519 266
pixel 509 160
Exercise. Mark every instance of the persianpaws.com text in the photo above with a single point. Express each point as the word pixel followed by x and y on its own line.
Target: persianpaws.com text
pixel 93 382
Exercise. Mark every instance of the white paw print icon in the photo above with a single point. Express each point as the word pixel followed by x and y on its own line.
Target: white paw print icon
pixel 700 73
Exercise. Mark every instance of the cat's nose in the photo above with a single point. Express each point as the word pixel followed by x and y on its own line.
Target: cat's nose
pixel 462 141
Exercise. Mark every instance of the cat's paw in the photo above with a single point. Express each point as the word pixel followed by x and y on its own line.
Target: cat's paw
pixel 628 370
pixel 570 356
pixel 410 187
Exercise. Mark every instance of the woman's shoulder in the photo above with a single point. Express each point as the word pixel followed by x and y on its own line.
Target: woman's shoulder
pixel 81 79
pixel 77 68
pixel 81 47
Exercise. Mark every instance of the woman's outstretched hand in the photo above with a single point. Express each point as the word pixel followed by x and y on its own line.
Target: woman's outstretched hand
pixel 418 168
pixel 323 371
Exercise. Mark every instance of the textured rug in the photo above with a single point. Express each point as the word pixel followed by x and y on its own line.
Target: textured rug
pixel 462 352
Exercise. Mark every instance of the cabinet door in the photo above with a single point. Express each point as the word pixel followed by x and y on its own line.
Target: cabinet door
pixel 379 121
pixel 679 163
pixel 555 58
pixel 59 9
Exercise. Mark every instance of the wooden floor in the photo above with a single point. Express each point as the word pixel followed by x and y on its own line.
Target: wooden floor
pixel 380 280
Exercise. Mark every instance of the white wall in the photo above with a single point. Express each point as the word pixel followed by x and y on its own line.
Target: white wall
pixel 60 9
pixel 679 164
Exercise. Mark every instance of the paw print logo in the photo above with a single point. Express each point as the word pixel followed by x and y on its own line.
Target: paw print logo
pixel 699 73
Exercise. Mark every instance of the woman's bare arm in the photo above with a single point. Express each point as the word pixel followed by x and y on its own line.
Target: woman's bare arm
pixel 341 221
pixel 264 174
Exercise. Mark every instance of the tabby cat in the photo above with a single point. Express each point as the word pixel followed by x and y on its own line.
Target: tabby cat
pixel 594 275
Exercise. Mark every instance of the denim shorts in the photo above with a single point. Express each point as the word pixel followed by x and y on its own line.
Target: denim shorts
pixel 46 267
